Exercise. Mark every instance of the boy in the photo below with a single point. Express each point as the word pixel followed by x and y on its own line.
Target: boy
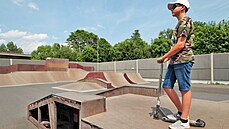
pixel 181 60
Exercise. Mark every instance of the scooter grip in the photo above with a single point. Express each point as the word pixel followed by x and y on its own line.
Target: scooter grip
pixel 160 61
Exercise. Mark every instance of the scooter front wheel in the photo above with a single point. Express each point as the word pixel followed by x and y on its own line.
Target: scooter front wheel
pixel 197 123
pixel 156 115
pixel 200 123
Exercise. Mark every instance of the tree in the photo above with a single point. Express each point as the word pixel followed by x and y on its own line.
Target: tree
pixel 89 54
pixel 124 50
pixel 3 48
pixel 75 55
pixel 42 53
pixel 11 48
pixel 104 50
pixel 81 38
pixel 56 50
pixel 65 52
pixel 161 45
pixel 211 37
pixel 136 35
pixel 141 49
pixel 133 48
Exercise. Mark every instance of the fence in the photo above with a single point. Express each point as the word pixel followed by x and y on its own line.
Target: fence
pixel 210 67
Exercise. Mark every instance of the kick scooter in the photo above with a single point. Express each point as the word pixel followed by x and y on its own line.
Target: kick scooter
pixel 160 114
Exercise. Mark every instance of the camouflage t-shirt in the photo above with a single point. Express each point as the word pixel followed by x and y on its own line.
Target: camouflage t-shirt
pixel 184 28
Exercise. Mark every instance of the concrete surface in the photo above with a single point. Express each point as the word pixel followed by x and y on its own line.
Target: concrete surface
pixel 210 103
pixel 133 112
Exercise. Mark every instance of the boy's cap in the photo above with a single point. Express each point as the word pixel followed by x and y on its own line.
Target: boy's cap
pixel 183 2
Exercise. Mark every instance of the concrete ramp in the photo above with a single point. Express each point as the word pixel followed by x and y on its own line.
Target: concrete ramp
pixel 117 79
pixel 99 75
pixel 6 79
pixel 81 87
pixel 71 74
pixel 134 78
pixel 77 74
pixel 30 77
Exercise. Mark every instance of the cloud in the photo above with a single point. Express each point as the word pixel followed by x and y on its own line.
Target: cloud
pixel 26 3
pixel 54 37
pixel 33 6
pixel 92 29
pixel 37 37
pixel 2 41
pixel 18 2
pixel 13 34
pixel 28 47
pixel 88 28
pixel 25 40
pixel 100 26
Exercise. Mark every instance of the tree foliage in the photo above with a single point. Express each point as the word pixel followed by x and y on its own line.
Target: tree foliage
pixel 55 51
pixel 89 54
pixel 11 48
pixel 3 48
pixel 81 38
pixel 211 37
pixel 161 45
pixel 133 48
pixel 42 53
pixel 104 50
pixel 86 46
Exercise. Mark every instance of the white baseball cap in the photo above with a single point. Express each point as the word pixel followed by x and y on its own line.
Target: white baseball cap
pixel 183 2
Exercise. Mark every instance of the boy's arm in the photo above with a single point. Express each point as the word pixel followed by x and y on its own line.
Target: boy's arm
pixel 176 48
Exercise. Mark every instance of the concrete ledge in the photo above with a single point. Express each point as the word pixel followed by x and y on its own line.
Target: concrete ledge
pixel 87 125
pixel 98 81
pixel 135 89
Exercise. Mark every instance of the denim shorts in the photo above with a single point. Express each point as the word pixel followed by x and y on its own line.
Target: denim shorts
pixel 179 72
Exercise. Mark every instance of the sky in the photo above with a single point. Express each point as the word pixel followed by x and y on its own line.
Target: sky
pixel 32 23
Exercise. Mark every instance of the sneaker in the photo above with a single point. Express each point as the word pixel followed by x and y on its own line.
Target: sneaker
pixel 179 125
pixel 175 116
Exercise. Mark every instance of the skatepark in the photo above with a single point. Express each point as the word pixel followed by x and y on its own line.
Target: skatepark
pixel 109 99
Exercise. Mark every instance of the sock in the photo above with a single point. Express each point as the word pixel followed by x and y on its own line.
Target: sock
pixel 180 113
pixel 183 121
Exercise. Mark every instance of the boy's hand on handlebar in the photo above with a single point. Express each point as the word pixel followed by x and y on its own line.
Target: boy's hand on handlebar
pixel 161 60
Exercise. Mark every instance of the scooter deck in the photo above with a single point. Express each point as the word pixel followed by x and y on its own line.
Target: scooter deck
pixel 195 123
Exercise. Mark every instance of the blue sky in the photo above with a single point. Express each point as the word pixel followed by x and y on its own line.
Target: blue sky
pixel 31 23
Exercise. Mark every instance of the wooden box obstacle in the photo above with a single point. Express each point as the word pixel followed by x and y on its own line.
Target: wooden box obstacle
pixel 64 110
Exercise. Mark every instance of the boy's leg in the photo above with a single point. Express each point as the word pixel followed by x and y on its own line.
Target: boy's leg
pixel 186 103
pixel 174 98
pixel 183 123
pixel 168 85
pixel 183 72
